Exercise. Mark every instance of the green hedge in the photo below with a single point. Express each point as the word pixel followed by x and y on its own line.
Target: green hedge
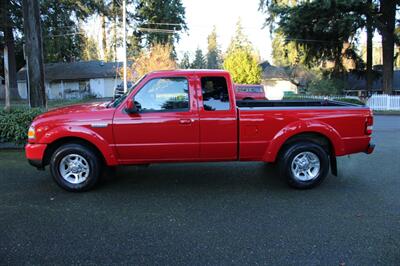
pixel 350 100
pixel 14 125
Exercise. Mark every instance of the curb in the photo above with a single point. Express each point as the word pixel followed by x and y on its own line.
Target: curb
pixel 11 146
pixel 387 114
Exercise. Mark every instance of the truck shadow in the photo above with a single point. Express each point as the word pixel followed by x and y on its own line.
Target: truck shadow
pixel 211 175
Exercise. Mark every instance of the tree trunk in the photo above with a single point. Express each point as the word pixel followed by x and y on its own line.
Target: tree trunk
pixel 104 38
pixel 9 42
pixel 369 48
pixel 7 81
pixel 12 69
pixel 388 10
pixel 34 52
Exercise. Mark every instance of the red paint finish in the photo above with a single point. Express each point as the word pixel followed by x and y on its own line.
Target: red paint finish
pixel 158 136
pixel 35 151
pixel 263 132
pixel 196 134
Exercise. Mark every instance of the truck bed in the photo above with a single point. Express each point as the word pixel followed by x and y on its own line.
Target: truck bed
pixel 292 103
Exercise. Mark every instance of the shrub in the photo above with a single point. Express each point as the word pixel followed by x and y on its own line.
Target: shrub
pixel 159 57
pixel 349 100
pixel 14 125
pixel 325 87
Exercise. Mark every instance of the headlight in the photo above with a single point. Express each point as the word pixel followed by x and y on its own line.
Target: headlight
pixel 31 133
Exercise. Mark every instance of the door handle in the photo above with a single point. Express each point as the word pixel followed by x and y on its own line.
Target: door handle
pixel 185 121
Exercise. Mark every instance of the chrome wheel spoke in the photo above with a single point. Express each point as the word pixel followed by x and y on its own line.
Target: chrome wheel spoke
pixel 74 168
pixel 305 166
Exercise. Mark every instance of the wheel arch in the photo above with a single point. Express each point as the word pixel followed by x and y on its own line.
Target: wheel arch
pixel 321 134
pixel 70 134
pixel 314 137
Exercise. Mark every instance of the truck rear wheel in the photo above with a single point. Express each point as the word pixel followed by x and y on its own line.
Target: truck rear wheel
pixel 304 164
pixel 75 167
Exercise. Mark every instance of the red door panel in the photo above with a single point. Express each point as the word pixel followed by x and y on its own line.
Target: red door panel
pixel 157 136
pixel 218 128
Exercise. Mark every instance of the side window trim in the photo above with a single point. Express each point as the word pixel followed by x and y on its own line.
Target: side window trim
pixel 167 110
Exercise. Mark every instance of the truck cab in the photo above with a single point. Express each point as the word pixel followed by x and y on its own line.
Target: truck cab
pixel 179 116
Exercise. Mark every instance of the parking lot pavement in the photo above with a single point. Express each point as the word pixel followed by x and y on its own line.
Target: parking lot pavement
pixel 219 213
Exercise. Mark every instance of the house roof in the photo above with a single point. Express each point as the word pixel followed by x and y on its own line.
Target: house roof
pixel 273 72
pixel 357 81
pixel 296 75
pixel 81 70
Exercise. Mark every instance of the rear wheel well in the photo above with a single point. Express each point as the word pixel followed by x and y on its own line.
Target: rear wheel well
pixel 316 138
pixel 51 148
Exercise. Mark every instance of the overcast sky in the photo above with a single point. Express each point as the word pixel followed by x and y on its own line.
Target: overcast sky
pixel 202 15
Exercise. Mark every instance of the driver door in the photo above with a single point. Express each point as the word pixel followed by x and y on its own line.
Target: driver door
pixel 166 128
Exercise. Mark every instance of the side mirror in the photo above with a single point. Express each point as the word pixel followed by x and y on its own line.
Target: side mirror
pixel 131 107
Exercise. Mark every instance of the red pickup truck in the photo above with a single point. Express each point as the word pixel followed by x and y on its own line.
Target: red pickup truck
pixel 193 116
pixel 249 92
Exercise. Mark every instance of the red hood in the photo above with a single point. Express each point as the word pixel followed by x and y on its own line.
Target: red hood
pixel 75 109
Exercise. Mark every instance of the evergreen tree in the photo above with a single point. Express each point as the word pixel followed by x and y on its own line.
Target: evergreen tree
pixel 286 53
pixel 90 49
pixel 323 29
pixel 199 60
pixel 159 21
pixel 213 53
pixel 185 62
pixel 241 60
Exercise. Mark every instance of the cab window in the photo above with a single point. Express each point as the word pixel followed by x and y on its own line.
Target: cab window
pixel 215 93
pixel 163 94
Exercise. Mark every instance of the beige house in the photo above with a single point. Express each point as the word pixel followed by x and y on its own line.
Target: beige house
pixel 281 80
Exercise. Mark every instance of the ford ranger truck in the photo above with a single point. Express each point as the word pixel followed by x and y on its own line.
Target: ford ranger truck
pixel 193 116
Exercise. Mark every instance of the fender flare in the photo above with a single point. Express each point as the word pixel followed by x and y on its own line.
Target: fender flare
pixel 84 133
pixel 300 127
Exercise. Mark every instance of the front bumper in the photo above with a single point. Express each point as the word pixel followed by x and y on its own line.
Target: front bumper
pixel 35 154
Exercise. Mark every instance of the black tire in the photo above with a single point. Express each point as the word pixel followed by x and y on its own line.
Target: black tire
pixel 289 154
pixel 91 158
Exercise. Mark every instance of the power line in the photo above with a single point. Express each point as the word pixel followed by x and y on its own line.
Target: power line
pixel 157 30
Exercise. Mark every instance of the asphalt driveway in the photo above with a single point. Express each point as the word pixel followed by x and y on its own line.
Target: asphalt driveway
pixel 196 214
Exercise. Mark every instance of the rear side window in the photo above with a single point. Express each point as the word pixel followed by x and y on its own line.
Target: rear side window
pixel 215 93
pixel 163 95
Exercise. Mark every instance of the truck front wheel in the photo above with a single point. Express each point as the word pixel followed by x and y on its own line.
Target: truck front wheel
pixel 75 167
pixel 304 164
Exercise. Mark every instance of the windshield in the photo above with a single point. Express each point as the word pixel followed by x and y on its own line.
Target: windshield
pixel 116 102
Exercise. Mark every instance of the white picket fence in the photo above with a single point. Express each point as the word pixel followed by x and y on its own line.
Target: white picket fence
pixel 384 102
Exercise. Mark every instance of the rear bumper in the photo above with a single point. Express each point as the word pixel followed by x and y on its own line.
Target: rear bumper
pixel 370 148
pixel 35 154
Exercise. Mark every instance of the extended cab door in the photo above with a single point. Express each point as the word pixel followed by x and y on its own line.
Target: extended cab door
pixel 166 128
pixel 218 117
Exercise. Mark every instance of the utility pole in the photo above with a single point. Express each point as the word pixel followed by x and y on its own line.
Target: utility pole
pixel 124 41
pixel 34 52
pixel 369 49
pixel 7 80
